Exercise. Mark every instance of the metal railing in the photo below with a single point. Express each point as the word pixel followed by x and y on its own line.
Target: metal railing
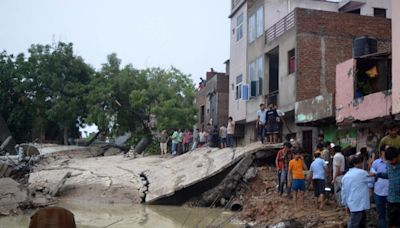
pixel 280 27
pixel 235 3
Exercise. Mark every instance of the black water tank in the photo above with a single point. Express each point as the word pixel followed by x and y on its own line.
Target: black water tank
pixel 364 45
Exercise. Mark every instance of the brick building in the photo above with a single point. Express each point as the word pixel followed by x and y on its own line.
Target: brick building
pixel 293 62
pixel 322 43
pixel 212 100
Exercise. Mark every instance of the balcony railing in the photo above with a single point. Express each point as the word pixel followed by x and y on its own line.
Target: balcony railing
pixel 280 27
pixel 235 3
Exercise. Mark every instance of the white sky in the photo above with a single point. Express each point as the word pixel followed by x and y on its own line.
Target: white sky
pixel 190 35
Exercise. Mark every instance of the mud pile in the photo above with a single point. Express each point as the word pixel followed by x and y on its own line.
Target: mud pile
pixel 263 205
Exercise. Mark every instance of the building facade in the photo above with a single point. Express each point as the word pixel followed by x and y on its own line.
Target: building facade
pixel 293 62
pixel 396 55
pixel 212 100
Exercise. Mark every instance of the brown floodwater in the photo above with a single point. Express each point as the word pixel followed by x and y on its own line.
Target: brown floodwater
pixel 113 216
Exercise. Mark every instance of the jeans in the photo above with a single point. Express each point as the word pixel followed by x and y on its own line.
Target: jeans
pixel 338 190
pixel 380 202
pixel 179 148
pixel 194 146
pixel 357 220
pixel 173 148
pixel 230 140
pixel 261 132
pixel 283 182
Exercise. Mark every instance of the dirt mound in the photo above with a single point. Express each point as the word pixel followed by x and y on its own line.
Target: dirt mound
pixel 263 205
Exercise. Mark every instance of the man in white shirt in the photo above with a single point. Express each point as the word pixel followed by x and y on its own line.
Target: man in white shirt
pixel 338 171
pixel 261 121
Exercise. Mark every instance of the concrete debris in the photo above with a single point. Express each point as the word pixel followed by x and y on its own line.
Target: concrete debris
pixel 250 174
pixel 5 170
pixel 48 182
pixel 12 196
pixel 263 206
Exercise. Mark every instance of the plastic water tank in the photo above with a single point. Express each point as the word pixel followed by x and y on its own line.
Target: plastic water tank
pixel 364 45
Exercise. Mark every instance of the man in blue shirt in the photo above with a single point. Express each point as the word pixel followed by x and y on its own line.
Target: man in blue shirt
pixel 381 188
pixel 318 174
pixel 355 194
pixel 392 155
pixel 261 121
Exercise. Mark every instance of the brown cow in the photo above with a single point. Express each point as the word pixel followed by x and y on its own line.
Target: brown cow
pixel 52 217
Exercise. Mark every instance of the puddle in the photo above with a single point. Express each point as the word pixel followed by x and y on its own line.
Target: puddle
pixel 135 216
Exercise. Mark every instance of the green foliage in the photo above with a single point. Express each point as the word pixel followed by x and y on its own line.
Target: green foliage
pixel 123 100
pixel 46 88
pixel 54 91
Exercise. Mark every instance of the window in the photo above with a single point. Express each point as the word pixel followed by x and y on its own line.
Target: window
pixel 239 27
pixel 239 80
pixel 202 114
pixel 356 11
pixel 256 75
pixel 260 73
pixel 378 12
pixel 372 75
pixel 260 21
pixel 252 28
pixel 291 61
pixel 256 25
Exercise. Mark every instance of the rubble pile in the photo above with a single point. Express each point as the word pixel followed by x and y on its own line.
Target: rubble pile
pixel 263 205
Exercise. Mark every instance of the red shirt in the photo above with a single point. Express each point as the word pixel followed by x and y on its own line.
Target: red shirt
pixel 280 156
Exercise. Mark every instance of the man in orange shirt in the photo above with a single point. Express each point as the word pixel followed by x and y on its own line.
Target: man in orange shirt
pixel 297 178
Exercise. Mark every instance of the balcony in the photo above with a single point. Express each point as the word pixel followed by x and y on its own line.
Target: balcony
pixel 280 27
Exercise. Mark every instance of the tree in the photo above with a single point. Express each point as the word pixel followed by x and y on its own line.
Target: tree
pixel 15 103
pixel 59 82
pixel 122 100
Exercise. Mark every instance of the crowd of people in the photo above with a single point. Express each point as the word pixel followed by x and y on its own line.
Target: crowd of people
pixel 184 141
pixel 351 177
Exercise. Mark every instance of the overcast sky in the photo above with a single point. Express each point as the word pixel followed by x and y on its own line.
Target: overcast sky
pixel 190 35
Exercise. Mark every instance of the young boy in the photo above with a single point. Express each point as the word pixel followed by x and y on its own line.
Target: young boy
pixel 297 178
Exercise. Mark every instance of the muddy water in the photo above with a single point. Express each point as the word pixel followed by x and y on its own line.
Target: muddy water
pixel 135 216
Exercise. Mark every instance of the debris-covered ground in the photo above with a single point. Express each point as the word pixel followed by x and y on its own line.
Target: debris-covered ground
pixel 263 205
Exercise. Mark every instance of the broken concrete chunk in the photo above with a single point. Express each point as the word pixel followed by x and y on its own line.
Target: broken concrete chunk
pixel 12 195
pixel 51 180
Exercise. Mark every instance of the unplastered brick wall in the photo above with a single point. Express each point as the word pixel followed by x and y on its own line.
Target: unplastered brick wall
pixel 325 39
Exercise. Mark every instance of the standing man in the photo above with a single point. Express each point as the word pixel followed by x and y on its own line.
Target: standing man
pixel 338 166
pixel 230 131
pixel 272 125
pixel 187 138
pixel 392 155
pixel 392 139
pixel 317 174
pixel 180 140
pixel 297 178
pixel 355 196
pixel 195 138
pixel 381 188
pixel 174 138
pixel 202 138
pixel 261 121
pixel 223 135
pixel 279 162
pixel 163 143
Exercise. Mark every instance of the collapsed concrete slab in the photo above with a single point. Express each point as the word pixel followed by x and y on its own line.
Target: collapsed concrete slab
pixel 117 179
pixel 194 167
pixel 12 196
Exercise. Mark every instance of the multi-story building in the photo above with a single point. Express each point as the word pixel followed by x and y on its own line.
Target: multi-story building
pixel 368 90
pixel 396 55
pixel 212 100
pixel 292 63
